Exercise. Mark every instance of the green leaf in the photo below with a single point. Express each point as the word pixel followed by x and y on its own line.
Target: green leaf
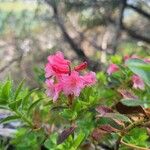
pixel 116 59
pixel 15 104
pixel 69 114
pixel 3 101
pixel 18 89
pixel 78 141
pixel 33 105
pixel 51 142
pixel 25 99
pixel 138 137
pixel 4 107
pixel 117 116
pixel 132 102
pixel 9 119
pixel 5 92
pixel 140 68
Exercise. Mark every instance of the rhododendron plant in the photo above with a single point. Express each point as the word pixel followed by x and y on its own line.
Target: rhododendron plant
pixel 60 77
pixel 82 115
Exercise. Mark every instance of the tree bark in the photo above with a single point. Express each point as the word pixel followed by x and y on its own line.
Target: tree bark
pixel 119 23
pixel 78 50
pixel 138 10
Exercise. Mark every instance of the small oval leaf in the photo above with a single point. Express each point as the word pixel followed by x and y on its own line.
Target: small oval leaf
pixel 63 136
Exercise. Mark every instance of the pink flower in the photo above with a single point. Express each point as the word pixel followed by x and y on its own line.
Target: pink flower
pixel 89 79
pixel 81 66
pixel 112 68
pixel 62 79
pixel 56 65
pixel 48 70
pixel 53 90
pixel 126 57
pixel 137 82
pixel 72 84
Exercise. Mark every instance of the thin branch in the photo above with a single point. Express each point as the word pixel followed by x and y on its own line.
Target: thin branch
pixel 118 143
pixel 119 23
pixel 135 35
pixel 133 146
pixel 138 10
pixel 66 35
pixel 9 63
pixel 131 32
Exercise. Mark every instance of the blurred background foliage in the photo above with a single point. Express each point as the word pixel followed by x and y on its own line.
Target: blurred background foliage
pixel 91 30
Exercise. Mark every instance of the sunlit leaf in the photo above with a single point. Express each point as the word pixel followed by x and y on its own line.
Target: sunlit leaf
pixel 5 92
pixel 14 105
pixel 78 140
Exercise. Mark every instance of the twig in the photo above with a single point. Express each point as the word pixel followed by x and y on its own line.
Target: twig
pixel 9 63
pixel 118 143
pixel 138 10
pixel 133 146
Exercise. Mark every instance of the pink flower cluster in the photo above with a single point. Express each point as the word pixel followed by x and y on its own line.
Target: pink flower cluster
pixel 61 78
pixel 136 80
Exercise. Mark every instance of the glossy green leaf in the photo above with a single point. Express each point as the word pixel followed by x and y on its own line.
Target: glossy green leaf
pixel 117 116
pixel 14 105
pixel 132 102
pixel 140 68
